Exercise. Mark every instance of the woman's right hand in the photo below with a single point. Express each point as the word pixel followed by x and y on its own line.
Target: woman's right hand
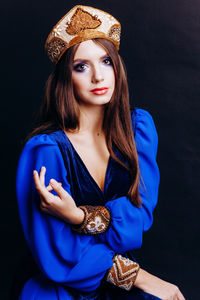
pixel 61 205
pixel 157 287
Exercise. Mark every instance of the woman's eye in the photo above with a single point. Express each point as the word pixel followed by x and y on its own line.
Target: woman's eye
pixel 107 61
pixel 80 67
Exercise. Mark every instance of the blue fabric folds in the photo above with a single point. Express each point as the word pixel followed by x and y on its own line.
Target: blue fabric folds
pixel 71 263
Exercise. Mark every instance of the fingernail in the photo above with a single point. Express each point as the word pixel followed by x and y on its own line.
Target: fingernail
pixel 53 182
pixel 34 172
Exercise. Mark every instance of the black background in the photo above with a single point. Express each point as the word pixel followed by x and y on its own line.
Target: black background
pixel 160 45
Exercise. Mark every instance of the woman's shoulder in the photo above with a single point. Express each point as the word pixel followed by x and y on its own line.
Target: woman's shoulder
pixel 140 114
pixel 40 140
pixel 46 145
pixel 144 130
pixel 141 118
pixel 41 148
pixel 40 145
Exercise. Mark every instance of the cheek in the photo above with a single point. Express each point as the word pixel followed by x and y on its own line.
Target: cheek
pixel 78 83
pixel 111 75
pixel 113 79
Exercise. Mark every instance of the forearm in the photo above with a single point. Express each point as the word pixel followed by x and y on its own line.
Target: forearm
pixel 119 224
pixel 156 286
pixel 79 216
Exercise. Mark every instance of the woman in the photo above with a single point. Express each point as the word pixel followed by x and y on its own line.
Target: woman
pixel 95 174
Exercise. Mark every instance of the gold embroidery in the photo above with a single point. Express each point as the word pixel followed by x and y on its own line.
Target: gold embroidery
pixel 55 49
pixel 97 219
pixel 123 272
pixel 115 32
pixel 82 20
pixel 80 24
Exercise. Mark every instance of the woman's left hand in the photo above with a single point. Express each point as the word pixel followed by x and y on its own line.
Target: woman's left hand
pixel 62 205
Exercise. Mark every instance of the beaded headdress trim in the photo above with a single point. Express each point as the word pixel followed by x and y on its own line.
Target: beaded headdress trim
pixel 81 23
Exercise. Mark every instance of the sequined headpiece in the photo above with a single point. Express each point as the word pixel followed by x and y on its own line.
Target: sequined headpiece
pixel 81 23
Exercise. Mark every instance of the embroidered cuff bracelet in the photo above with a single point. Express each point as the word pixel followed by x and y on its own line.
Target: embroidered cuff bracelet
pixel 97 219
pixel 123 272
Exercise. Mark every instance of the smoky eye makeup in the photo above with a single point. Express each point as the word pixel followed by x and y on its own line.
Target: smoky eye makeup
pixel 80 67
pixel 107 61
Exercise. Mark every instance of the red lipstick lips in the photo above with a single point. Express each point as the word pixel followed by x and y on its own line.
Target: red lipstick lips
pixel 100 91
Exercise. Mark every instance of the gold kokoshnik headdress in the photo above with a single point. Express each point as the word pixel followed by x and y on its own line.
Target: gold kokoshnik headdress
pixel 81 23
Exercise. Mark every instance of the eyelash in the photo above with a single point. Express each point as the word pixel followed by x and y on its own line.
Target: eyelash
pixel 109 60
pixel 80 67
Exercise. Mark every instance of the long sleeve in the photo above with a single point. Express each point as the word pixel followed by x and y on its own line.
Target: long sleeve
pixel 61 254
pixel 127 221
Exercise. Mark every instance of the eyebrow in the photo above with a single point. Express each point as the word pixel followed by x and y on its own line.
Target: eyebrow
pixel 87 60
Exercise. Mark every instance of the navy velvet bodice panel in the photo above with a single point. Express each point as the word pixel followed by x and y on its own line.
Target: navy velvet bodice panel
pixel 84 189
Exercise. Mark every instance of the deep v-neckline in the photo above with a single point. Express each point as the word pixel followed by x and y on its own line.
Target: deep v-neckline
pixel 86 169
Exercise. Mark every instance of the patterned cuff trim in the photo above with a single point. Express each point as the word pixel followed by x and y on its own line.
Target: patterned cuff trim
pixel 123 272
pixel 97 220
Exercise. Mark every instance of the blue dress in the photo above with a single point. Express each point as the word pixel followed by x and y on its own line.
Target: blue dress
pixel 73 265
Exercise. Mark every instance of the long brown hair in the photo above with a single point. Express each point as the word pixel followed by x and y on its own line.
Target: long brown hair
pixel 60 109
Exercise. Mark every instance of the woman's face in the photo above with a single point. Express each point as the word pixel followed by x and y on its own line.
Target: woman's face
pixel 93 74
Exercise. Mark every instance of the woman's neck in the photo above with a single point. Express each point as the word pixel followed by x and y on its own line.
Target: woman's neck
pixel 91 119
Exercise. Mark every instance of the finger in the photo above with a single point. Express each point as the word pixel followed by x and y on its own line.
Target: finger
pixel 42 175
pixel 49 187
pixel 38 184
pixel 36 179
pixel 58 189
pixel 40 187
pixel 180 296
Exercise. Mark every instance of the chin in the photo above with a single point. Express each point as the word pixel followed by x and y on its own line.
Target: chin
pixel 102 102
pixel 95 102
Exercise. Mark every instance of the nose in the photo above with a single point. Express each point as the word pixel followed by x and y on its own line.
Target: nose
pixel 97 74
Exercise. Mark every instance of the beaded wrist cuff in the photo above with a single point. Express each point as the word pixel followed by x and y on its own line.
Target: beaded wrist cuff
pixel 123 272
pixel 97 220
